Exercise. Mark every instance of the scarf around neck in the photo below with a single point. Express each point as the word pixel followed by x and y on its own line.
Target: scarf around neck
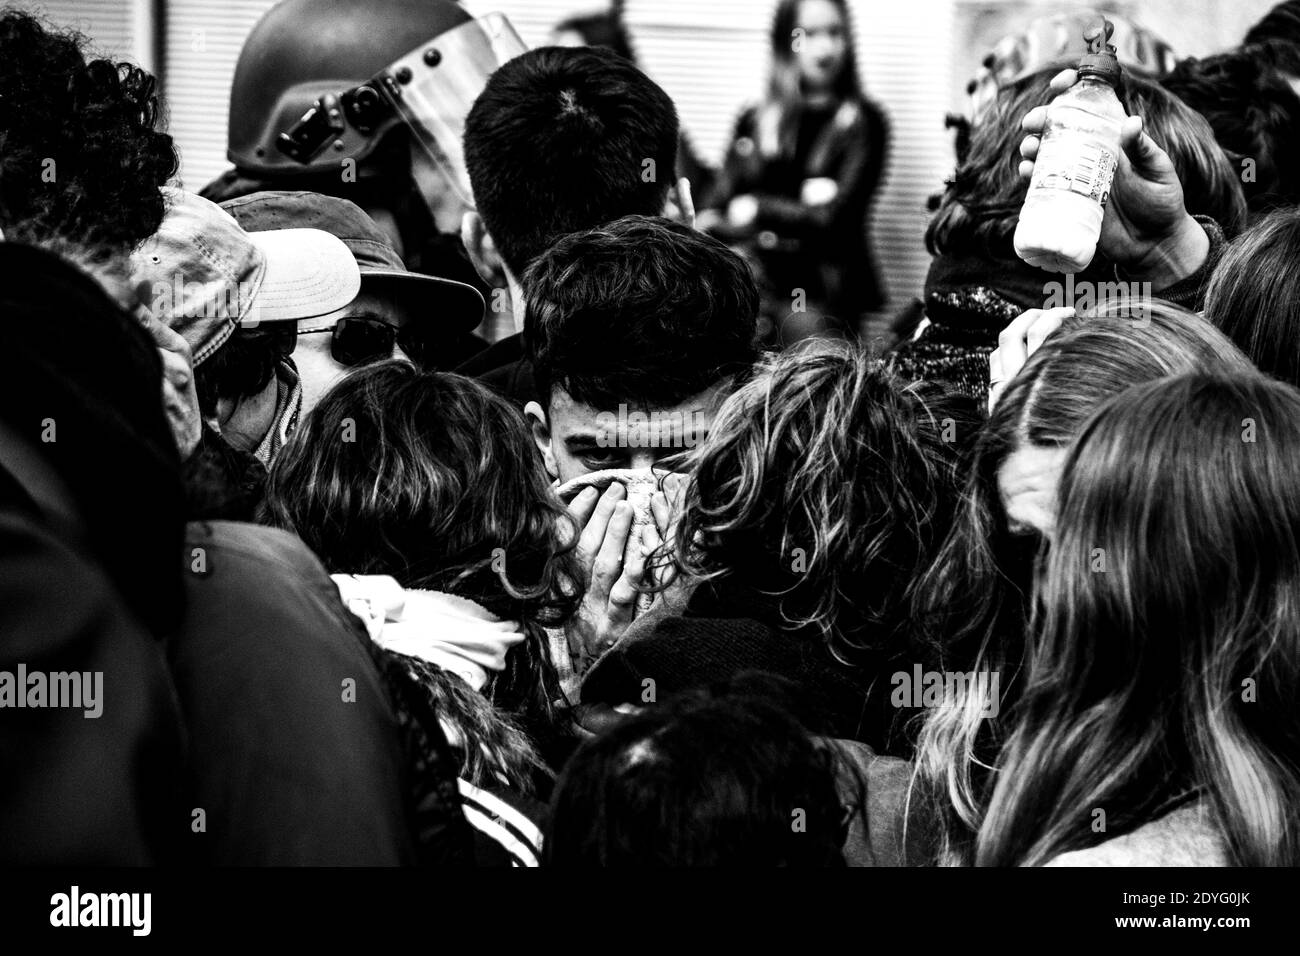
pixel 454 633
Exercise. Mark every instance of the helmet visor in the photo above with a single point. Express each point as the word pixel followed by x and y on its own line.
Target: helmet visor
pixel 433 87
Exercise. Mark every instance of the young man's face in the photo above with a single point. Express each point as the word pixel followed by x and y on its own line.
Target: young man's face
pixel 577 439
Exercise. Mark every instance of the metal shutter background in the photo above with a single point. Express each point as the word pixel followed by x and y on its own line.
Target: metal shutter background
pixel 108 23
pixel 712 58
pixel 202 43
pixel 710 55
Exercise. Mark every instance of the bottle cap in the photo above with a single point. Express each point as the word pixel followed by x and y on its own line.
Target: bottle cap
pixel 1100 60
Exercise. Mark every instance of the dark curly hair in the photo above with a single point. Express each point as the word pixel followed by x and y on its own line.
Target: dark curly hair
pixel 431 478
pixel 1254 114
pixel 556 141
pixel 826 483
pixel 642 310
pixel 709 778
pixel 80 152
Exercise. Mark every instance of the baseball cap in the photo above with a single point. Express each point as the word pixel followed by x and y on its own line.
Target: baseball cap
pixel 206 275
pixel 453 305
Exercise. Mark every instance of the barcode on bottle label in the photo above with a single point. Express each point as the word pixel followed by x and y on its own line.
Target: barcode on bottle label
pixel 1065 163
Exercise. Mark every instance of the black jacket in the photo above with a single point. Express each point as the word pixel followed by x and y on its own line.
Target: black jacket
pixel 81 789
pixel 822 249
pixel 725 629
pixel 304 749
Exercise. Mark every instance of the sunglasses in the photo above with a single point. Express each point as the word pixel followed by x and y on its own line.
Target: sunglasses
pixel 354 341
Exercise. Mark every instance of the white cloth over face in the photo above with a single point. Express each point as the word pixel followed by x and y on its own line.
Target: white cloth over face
pixel 455 633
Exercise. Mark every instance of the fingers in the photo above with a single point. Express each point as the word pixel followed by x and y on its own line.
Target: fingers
pixel 1047 323
pixel 1035 120
pixel 1130 130
pixel 1030 144
pixel 686 201
pixel 180 400
pixel 178 373
pixel 1010 355
pixel 1011 341
pixel 165 337
pixel 582 505
pixel 593 531
pixel 662 512
pixel 624 593
pixel 607 567
pixel 1029 147
pixel 1141 149
pixel 593 535
pixel 995 369
pixel 1064 80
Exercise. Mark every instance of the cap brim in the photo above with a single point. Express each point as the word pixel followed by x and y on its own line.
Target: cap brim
pixel 449 303
pixel 309 273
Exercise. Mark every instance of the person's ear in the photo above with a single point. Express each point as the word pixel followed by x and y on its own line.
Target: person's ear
pixel 542 437
pixel 680 204
pixel 482 250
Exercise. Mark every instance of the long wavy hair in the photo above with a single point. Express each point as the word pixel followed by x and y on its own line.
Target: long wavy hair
pixel 825 484
pixel 1254 294
pixel 972 605
pixel 980 205
pixel 1172 673
pixel 431 478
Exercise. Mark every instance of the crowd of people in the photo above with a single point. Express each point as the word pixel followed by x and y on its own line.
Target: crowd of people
pixel 346 519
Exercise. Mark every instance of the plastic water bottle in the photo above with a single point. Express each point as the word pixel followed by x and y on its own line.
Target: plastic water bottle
pixel 1060 221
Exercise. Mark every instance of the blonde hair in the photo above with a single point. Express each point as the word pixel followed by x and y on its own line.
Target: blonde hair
pixel 1133 692
pixel 825 484
pixel 973 603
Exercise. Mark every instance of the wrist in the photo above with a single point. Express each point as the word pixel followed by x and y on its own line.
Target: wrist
pixel 1173 258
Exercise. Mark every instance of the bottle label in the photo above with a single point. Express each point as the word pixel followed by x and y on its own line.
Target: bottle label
pixel 1074 164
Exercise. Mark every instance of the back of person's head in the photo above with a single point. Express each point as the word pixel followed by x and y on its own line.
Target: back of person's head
pixel 642 311
pixel 1078 368
pixel 826 483
pixel 1255 116
pixel 1282 57
pixel 563 139
pixel 1254 294
pixel 1173 672
pixel 1280 23
pixel 973 602
pixel 981 204
pixel 81 381
pixel 720 777
pixel 431 478
pixel 82 156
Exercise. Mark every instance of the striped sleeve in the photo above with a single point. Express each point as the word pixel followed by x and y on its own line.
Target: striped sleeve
pixel 502 825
